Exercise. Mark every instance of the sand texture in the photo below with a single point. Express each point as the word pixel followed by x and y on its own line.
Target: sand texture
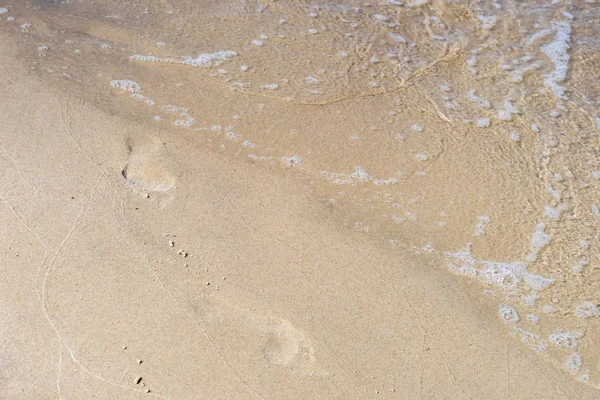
pixel 293 200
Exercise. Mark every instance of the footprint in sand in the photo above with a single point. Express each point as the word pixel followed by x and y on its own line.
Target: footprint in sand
pixel 148 167
pixel 268 340
pixel 287 346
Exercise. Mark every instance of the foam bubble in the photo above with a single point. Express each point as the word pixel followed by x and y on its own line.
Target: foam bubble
pixel 483 122
pixel 540 239
pixel 574 363
pixel 143 98
pixel 487 22
pixel 587 309
pixel 508 314
pixel 126 85
pixel 533 340
pixel 292 161
pixel 389 181
pixel 504 275
pixel 558 52
pixel 533 318
pixel 472 96
pixel 398 38
pixel 554 213
pixel 565 339
pixel 361 174
pixel 417 3
pixel 204 60
pixel 483 221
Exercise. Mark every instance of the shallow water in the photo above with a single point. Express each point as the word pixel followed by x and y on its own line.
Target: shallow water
pixel 464 132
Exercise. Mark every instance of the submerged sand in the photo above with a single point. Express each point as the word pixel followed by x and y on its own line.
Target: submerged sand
pixel 291 201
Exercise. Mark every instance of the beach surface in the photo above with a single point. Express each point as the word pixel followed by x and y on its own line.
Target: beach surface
pixel 364 225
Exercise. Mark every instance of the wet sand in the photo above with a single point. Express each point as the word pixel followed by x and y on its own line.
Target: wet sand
pixel 241 207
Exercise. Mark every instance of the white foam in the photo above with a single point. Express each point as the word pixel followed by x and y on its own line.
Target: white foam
pixel 568 15
pixel 143 98
pixel 126 85
pixel 565 339
pixel 587 309
pixel 483 122
pixel 540 238
pixel 554 213
pixel 398 38
pixel 555 193
pixel 361 174
pixel 487 22
pixel 204 60
pixel 574 363
pixel 472 96
pixel 533 318
pixel 3 10
pixel 389 181
pixel 292 161
pixel 533 340
pixel 507 276
pixel 270 86
pixel 531 299
pixel 509 110
pixel 596 210
pixel 548 309
pixel 417 3
pixel 187 121
pixel 537 282
pixel 508 314
pixel 558 52
pixel 481 225
pixel 515 136
pixel 579 266
pixel 504 115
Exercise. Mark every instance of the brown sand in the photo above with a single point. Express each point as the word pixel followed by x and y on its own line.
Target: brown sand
pixel 144 258
pixel 284 307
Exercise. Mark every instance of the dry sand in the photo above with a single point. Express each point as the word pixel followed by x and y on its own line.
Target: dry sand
pixel 139 261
